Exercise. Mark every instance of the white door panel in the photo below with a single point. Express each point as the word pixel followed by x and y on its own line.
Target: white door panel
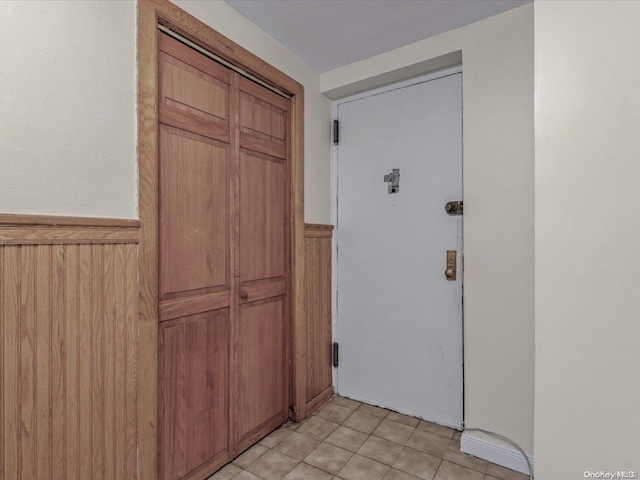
pixel 399 319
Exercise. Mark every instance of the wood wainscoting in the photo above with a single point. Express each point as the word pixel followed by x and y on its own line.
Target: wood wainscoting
pixel 68 325
pixel 317 244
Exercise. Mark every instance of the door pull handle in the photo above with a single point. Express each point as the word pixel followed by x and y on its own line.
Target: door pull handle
pixel 244 295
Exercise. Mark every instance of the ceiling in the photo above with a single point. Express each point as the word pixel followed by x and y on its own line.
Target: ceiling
pixel 328 34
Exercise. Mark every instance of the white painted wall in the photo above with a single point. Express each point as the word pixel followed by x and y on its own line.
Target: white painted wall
pixel 587 229
pixel 67 108
pixel 317 136
pixel 498 175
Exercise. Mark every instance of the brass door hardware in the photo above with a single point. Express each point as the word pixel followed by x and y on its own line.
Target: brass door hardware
pixel 451 270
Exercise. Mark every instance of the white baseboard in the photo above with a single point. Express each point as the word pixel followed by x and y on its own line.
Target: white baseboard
pixel 493 452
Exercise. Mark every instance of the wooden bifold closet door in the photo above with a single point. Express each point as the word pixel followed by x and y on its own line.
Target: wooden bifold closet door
pixel 224 262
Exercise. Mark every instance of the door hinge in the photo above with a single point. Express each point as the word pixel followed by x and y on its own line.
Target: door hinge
pixel 336 132
pixel 293 409
pixel 335 354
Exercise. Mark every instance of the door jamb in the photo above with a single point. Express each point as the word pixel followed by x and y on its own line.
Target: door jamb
pixel 150 12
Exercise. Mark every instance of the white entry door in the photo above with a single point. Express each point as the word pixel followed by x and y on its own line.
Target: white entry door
pixel 399 319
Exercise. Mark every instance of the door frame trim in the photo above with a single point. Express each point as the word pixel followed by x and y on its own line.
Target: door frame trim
pixel 440 73
pixel 150 13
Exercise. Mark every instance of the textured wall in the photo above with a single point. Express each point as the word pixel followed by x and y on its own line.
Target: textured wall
pixel 587 262
pixel 498 104
pixel 67 108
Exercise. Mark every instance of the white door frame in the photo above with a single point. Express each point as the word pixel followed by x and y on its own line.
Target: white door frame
pixel 334 203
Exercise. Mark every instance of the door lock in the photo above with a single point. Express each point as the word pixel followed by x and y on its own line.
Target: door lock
pixel 393 179
pixel 451 270
pixel 454 208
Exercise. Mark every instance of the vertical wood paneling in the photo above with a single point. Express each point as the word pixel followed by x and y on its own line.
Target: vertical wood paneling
pixel 1 364
pixel 108 358
pixel 318 313
pixel 11 377
pixel 97 353
pixel 85 361
pixel 27 368
pixel 129 273
pixel 121 367
pixel 72 369
pixel 42 291
pixel 68 317
pixel 57 350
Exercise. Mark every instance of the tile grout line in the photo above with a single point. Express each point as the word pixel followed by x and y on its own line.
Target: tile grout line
pixel 372 411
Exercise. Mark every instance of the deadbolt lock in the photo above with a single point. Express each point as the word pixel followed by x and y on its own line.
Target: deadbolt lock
pixel 451 271
pixel 454 208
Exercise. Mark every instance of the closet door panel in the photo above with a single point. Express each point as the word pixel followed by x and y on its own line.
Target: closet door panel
pixel 193 213
pixel 262 347
pixel 193 407
pixel 195 247
pixel 262 216
pixel 194 90
pixel 224 262
pixel 263 265
pixel 263 120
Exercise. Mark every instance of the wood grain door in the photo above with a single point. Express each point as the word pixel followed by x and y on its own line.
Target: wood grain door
pixel 263 266
pixel 195 258
pixel 224 262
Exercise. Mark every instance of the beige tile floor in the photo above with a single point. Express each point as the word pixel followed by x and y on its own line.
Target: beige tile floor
pixel 349 440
